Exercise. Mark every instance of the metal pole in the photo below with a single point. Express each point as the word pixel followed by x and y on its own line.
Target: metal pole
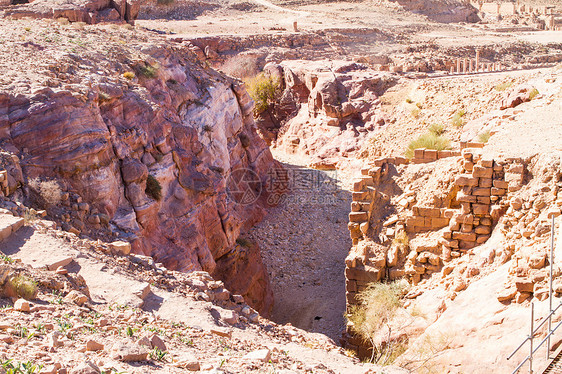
pixel 531 339
pixel 550 287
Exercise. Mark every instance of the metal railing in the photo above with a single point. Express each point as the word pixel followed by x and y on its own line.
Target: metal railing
pixel 548 318
pixel 534 331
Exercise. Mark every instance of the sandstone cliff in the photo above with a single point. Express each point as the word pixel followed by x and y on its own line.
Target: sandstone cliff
pixel 88 11
pixel 105 121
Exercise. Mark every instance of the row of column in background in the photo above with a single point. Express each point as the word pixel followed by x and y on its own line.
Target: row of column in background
pixel 468 65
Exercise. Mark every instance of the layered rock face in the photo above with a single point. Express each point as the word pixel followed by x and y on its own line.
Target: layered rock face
pixel 442 11
pixel 88 11
pixel 144 146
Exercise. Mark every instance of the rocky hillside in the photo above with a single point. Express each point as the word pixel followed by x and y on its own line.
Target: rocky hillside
pixel 72 305
pixel 133 139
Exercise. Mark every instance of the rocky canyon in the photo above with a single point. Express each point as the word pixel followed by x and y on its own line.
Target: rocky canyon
pixel 288 186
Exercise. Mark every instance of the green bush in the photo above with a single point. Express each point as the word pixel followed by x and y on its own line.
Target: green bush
pixel 153 188
pixel 264 90
pixel 534 93
pixel 378 305
pixel 12 367
pixel 428 140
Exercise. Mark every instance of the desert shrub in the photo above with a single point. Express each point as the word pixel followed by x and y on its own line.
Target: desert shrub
pixel 457 119
pixel 24 286
pixel 409 101
pixel 148 71
pixel 49 191
pixel 244 242
pixel 503 86
pixel 401 240
pixel 428 140
pixel 484 136
pixel 153 188
pixel 378 305
pixel 128 75
pixel 13 367
pixel 437 129
pixel 534 93
pixel 7 259
pixel 241 67
pixel 424 351
pixel 415 112
pixel 264 90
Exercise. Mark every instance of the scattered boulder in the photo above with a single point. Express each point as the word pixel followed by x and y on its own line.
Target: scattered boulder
pixel 92 345
pixel 517 96
pixel 60 263
pixel 53 339
pixel 86 368
pixel 76 297
pixel 22 305
pixel 129 352
pixel 121 247
pixel 524 285
pixel 506 294
pixel 187 361
pixel 263 355
pixel 224 332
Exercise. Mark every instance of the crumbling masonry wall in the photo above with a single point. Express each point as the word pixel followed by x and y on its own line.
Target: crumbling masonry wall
pixel 479 190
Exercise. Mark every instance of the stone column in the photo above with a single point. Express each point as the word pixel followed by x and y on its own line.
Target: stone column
pixel 452 69
pixel 295 27
pixel 470 67
pixel 489 65
pixel 458 65
pixel 499 5
pixel 515 7
pixel 477 60
pixel 464 66
pixel 551 22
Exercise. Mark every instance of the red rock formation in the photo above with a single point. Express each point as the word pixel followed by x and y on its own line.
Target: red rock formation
pixel 89 11
pixel 172 123
pixel 327 108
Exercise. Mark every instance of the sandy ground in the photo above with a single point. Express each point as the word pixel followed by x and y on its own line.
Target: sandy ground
pixel 304 242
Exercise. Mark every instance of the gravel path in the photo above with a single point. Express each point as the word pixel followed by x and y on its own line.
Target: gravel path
pixel 304 242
